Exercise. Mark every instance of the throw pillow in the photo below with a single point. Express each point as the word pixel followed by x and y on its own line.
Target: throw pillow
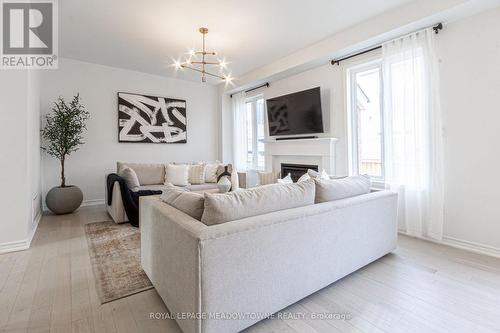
pixel 335 189
pixel 211 173
pixel 304 177
pixel 312 173
pixel 130 178
pixel 197 173
pixel 323 175
pixel 191 203
pixel 177 174
pixel 235 182
pixel 220 208
pixel 286 180
pixel 147 173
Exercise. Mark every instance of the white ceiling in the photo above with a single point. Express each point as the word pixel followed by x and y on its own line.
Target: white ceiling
pixel 147 35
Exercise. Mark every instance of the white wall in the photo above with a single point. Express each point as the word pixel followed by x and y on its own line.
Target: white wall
pixel 330 80
pixel 98 86
pixel 19 157
pixel 469 50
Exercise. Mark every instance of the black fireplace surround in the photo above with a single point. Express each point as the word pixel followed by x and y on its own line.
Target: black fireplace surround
pixel 296 170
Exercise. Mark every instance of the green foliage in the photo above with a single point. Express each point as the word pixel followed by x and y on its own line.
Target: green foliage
pixel 63 131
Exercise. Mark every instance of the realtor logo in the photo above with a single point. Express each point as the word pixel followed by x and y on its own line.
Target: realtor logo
pixel 29 34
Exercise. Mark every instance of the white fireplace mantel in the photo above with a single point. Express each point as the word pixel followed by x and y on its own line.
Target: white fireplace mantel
pixel 318 151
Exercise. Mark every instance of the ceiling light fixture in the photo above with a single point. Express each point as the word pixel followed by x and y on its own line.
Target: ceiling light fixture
pixel 200 65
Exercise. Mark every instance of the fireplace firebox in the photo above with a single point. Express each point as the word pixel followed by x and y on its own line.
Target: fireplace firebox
pixel 296 170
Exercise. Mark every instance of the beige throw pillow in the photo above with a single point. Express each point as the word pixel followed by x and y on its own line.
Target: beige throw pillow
pixel 147 173
pixel 197 173
pixel 191 203
pixel 177 174
pixel 130 178
pixel 211 173
pixel 335 189
pixel 220 208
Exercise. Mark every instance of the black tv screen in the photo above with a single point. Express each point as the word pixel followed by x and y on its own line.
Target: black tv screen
pixel 297 113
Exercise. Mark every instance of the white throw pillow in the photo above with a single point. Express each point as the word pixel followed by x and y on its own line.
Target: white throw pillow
pixel 287 180
pixel 323 175
pixel 235 181
pixel 197 173
pixel 211 173
pixel 130 178
pixel 304 177
pixel 177 174
pixel 335 189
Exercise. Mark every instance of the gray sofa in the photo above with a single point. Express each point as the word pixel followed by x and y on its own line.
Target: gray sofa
pixel 151 177
pixel 258 265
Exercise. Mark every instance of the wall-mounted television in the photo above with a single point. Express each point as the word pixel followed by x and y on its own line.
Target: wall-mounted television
pixel 297 113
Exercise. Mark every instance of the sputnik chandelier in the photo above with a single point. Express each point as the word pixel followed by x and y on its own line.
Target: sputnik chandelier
pixel 193 62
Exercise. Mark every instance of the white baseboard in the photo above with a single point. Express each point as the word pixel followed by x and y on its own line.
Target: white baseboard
pixel 94 202
pixel 463 245
pixel 22 244
pixel 471 246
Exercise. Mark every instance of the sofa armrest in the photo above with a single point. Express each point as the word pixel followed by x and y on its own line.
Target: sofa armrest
pixel 116 210
pixel 170 256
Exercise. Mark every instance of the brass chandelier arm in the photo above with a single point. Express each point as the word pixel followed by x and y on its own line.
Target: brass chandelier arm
pixel 203 72
pixel 206 63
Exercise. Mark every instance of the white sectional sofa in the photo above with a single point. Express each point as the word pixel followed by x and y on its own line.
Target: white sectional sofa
pixel 151 176
pixel 257 265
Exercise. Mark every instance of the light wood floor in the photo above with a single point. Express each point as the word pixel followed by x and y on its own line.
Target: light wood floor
pixel 422 287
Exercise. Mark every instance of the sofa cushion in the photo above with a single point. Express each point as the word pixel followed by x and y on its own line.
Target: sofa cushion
pixel 186 201
pixel 177 174
pixel 147 173
pixel 202 187
pixel 197 173
pixel 157 187
pixel 220 208
pixel 130 178
pixel 335 189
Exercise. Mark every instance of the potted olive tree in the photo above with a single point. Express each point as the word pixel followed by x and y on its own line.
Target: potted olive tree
pixel 63 134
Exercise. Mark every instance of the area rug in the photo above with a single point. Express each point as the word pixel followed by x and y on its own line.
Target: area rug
pixel 115 255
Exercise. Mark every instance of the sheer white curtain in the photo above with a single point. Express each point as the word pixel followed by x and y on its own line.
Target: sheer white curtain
pixel 240 143
pixel 413 132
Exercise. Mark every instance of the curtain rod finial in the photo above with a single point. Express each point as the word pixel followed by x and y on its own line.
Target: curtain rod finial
pixel 437 28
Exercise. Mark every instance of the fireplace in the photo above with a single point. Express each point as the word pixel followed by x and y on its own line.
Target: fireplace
pixel 296 170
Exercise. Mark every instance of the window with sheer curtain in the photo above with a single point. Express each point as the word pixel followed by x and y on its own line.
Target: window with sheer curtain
pixel 413 132
pixel 398 139
pixel 248 132
pixel 255 133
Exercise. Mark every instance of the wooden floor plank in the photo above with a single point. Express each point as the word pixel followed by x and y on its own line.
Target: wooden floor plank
pixel 422 286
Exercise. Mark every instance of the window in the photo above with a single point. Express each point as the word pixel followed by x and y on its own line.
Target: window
pixel 366 123
pixel 255 133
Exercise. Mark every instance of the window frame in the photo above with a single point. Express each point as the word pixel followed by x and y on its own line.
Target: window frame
pixel 255 141
pixel 352 118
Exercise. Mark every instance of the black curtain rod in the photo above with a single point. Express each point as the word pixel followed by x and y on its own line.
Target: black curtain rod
pixel 254 88
pixel 436 28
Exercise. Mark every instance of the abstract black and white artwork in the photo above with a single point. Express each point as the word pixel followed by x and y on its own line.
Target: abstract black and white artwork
pixel 151 119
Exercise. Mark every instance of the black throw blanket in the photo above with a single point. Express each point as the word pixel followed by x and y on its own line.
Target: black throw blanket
pixel 130 198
